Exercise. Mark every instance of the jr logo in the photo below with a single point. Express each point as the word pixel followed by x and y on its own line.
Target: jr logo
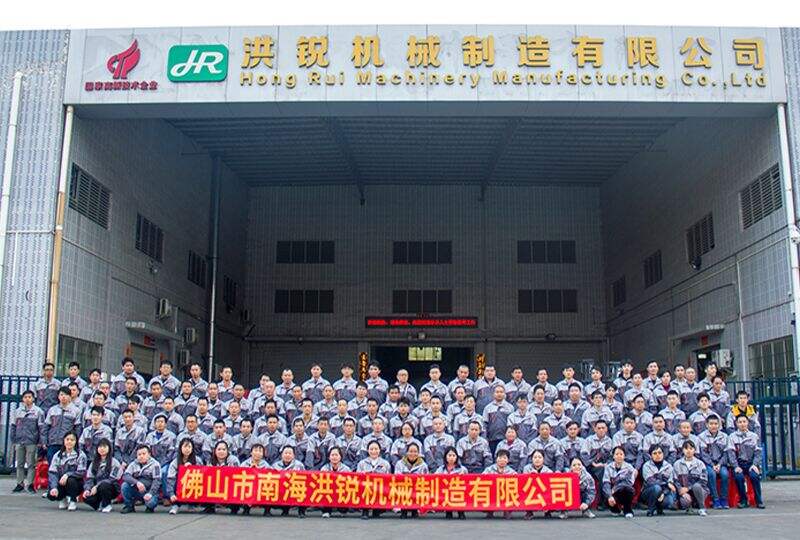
pixel 197 63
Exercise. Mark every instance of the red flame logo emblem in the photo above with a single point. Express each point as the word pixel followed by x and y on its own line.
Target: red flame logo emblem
pixel 120 64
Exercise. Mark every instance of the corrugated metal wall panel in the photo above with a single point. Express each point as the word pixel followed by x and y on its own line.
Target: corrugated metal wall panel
pixel 41 57
pixel 272 358
pixel 537 355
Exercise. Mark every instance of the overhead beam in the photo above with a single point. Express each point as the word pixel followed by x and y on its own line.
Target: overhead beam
pixel 502 143
pixel 335 129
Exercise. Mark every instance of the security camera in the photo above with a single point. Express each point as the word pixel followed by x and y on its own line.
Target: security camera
pixel 696 263
pixel 794 234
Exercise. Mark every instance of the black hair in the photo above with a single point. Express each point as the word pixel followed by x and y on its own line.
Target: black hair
pixel 98 460
pixel 214 460
pixel 191 458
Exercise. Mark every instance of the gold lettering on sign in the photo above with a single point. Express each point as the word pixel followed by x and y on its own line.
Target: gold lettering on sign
pixel 534 51
pixel 423 52
pixel 588 50
pixel 258 50
pixel 749 52
pixel 693 49
pixel 477 51
pixel 366 50
pixel 642 51
pixel 311 51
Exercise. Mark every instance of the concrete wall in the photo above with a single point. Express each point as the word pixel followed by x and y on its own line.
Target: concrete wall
pixel 152 169
pixel 484 242
pixel 698 167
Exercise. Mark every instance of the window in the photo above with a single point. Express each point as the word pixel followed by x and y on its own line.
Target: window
pixel 546 252
pixel 524 301
pixel 149 238
pixel 229 292
pixel 700 238
pixel 771 359
pixel 427 252
pixel 303 301
pixel 86 353
pixel 89 197
pixel 426 301
pixel 305 252
pixel 424 354
pixel 761 197
pixel 197 269
pixel 652 269
pixel 547 301
pixel 618 294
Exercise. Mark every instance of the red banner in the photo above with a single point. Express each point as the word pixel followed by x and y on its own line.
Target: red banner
pixel 468 492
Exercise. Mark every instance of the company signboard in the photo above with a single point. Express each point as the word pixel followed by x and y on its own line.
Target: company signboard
pixel 426 63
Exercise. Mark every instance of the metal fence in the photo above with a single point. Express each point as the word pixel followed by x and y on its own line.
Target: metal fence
pixel 777 400
pixel 11 389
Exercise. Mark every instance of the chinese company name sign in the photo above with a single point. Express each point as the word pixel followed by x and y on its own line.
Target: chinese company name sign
pixel 426 63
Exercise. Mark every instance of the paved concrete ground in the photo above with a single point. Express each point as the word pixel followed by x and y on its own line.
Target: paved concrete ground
pixel 30 516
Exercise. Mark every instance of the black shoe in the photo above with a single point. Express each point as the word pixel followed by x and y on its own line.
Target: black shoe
pixel 650 513
pixel 462 515
pixel 149 510
pixel 285 512
pixel 743 504
pixel 365 514
pixel 448 515
pixel 267 512
pixel 31 489
pixel 127 510
pixel 209 510
pixel 245 511
pixel 660 511
pixel 760 506
pixel 404 514
pixel 18 488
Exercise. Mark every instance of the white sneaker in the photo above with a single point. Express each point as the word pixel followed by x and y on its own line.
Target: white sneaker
pixel 107 509
pixel 326 514
pixel 62 504
pixel 702 512
pixel 589 514
pixel 173 509
pixel 72 506
pixel 628 516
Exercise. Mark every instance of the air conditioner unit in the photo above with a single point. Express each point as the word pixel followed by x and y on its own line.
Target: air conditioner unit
pixel 183 357
pixel 723 358
pixel 611 369
pixel 164 308
pixel 190 336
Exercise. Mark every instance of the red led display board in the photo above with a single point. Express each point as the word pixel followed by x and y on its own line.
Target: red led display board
pixel 422 322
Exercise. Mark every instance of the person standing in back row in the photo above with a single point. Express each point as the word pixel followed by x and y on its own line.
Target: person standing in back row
pixel 25 423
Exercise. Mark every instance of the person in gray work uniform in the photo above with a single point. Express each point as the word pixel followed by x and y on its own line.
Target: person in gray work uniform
pixel 618 480
pixel 65 474
pixel 102 478
pixel 691 480
pixel 25 434
pixel 141 481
